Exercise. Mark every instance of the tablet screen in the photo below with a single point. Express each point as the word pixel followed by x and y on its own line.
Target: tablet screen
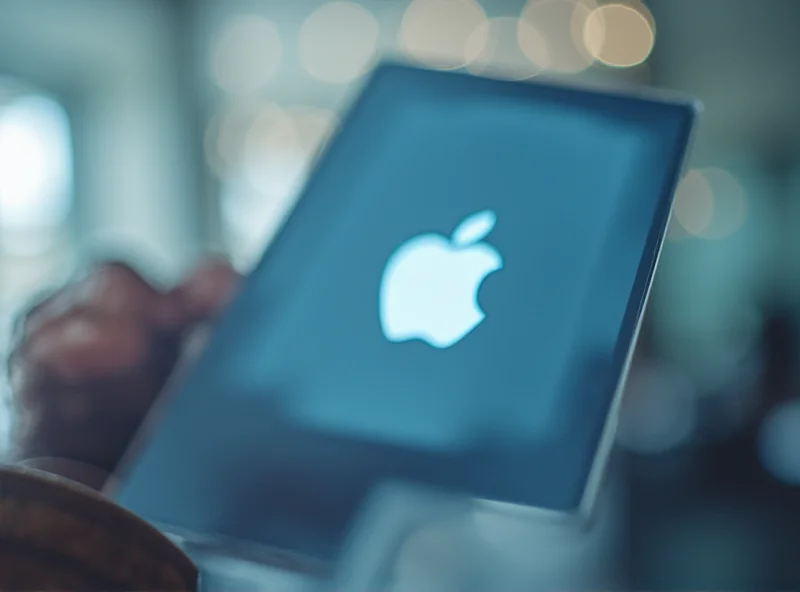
pixel 451 304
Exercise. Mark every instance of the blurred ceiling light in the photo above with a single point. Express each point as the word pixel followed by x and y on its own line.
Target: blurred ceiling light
pixel 779 442
pixel 338 41
pixel 436 32
pixel 620 35
pixel 247 55
pixel 710 203
pixel 35 164
pixel 561 23
pixel 509 46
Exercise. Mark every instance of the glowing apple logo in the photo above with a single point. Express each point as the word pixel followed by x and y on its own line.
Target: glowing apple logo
pixel 429 289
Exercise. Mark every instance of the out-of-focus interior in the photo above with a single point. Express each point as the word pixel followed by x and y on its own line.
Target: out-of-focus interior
pixel 164 129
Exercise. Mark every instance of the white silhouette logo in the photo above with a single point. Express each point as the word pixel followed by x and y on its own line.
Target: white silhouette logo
pixel 429 289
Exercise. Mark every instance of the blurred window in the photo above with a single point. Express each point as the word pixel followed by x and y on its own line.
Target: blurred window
pixel 262 155
pixel 36 186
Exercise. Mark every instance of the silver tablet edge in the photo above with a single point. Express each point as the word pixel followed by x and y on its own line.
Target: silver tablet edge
pixel 583 515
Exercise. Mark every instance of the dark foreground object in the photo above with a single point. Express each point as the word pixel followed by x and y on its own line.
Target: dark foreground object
pixel 58 536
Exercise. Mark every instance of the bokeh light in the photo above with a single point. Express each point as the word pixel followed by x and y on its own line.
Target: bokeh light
pixel 246 55
pixel 675 230
pixel 314 126
pixel 280 145
pixel 437 32
pixel 274 158
pixel 709 203
pixel 561 23
pixel 35 164
pixel 533 44
pixel 693 206
pixel 338 41
pixel 225 133
pixel 730 204
pixel 275 148
pixel 509 46
pixel 619 35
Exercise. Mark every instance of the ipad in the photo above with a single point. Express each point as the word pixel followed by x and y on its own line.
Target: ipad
pixel 452 303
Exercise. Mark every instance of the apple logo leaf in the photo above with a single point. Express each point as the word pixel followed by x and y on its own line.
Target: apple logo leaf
pixel 473 228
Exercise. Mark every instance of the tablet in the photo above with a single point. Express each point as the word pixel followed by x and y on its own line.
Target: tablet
pixel 452 303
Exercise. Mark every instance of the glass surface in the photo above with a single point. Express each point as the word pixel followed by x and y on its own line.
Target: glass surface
pixel 308 397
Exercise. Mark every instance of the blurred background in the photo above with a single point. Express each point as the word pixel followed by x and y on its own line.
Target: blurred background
pixel 169 128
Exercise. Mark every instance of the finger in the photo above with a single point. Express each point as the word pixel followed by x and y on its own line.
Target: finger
pixel 116 288
pixel 111 289
pixel 168 314
pixel 87 344
pixel 119 289
pixel 208 290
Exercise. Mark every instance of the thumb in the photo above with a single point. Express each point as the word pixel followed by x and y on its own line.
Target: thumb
pixel 208 290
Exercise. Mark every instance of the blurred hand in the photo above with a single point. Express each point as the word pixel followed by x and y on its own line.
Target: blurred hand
pixel 89 361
